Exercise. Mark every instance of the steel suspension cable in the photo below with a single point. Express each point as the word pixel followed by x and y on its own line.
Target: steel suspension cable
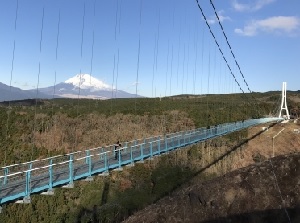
pixel 171 75
pixel 56 54
pixel 37 87
pixel 155 55
pixel 153 66
pixel 202 59
pixel 117 74
pixel 216 42
pixel 178 54
pixel 157 40
pixel 233 55
pixel 92 52
pixel 11 77
pixel 212 4
pixel 183 69
pixel 167 71
pixel 138 59
pixel 223 56
pixel 188 62
pixel 155 52
pixel 55 72
pixel 116 22
pixel 208 84
pixel 114 89
pixel 80 76
pixel 118 58
pixel 196 59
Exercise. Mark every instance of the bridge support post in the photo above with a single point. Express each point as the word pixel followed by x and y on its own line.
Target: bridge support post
pixel 105 172
pixel 126 144
pixel 90 163
pixel 131 157
pixel 151 151
pixel 131 164
pixel 105 161
pixel 87 154
pixel 27 189
pixel 50 191
pixel 120 161
pixel 159 145
pixel 50 175
pixel 26 199
pixel 142 151
pixel 71 182
pixel 6 172
pixel 166 144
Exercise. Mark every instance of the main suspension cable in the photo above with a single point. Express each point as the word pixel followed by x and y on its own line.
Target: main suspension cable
pixel 210 30
pixel 237 64
pixel 223 56
pixel 212 4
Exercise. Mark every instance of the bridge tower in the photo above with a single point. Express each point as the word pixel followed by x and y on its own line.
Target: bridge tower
pixel 283 102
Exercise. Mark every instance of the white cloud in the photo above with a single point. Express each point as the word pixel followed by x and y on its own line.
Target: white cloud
pixel 251 6
pixel 213 19
pixel 135 83
pixel 277 24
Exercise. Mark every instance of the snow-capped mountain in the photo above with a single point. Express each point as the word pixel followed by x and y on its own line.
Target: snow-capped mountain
pixel 81 85
pixel 85 86
pixel 86 81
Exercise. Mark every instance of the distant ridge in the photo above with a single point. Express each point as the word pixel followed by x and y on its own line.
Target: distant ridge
pixel 81 85
pixel 8 93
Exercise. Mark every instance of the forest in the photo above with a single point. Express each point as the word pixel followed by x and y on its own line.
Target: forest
pixel 35 129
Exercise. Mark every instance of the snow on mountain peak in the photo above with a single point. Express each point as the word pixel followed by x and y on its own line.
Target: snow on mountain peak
pixel 86 81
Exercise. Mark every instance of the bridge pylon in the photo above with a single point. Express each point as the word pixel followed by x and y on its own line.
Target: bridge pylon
pixel 283 103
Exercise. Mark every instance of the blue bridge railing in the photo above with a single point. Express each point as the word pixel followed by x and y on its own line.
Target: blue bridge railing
pixel 19 181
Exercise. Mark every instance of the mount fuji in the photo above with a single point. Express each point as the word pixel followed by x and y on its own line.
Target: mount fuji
pixel 85 86
pixel 81 85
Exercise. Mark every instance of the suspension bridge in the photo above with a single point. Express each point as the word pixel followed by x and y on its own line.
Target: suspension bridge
pixel 36 176
pixel 19 181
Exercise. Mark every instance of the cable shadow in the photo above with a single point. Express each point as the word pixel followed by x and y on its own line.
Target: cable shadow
pixel 233 149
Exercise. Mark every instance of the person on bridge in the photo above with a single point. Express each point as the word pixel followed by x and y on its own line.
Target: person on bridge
pixel 116 149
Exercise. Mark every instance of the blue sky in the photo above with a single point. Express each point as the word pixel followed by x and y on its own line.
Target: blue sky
pixel 177 52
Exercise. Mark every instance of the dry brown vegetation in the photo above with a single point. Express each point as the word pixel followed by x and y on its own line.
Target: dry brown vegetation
pixel 248 194
pixel 114 198
pixel 65 133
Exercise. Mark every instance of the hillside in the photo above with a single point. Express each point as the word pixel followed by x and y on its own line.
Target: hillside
pixel 37 129
pixel 266 190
